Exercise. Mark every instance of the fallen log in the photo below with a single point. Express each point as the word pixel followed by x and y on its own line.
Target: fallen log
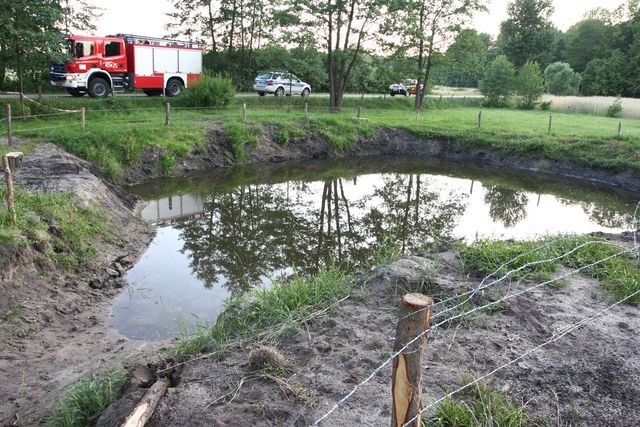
pixel 147 405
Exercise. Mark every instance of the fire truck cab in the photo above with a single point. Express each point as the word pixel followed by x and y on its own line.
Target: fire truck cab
pixel 101 65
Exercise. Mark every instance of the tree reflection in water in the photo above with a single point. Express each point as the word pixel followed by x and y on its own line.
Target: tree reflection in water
pixel 257 230
pixel 506 205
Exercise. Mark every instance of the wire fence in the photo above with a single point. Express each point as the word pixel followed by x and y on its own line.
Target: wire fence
pixel 490 304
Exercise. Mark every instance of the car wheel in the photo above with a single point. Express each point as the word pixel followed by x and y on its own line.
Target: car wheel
pixel 174 87
pixel 406 93
pixel 392 93
pixel 98 88
pixel 279 91
pixel 305 92
pixel 261 93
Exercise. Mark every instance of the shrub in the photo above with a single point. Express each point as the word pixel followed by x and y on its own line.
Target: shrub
pixel 615 109
pixel 497 84
pixel 529 85
pixel 209 91
pixel 560 79
pixel 545 106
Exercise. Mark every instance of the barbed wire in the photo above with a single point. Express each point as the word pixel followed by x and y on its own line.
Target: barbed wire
pixel 460 315
pixel 471 293
pixel 555 337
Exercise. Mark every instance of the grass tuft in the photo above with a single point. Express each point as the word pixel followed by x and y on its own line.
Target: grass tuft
pixel 56 225
pixel 618 276
pixel 284 304
pixel 481 406
pixel 83 403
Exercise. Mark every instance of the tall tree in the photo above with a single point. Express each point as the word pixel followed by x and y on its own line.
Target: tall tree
pixel 28 33
pixel 527 34
pixel 79 15
pixel 423 28
pixel 342 27
pixel 587 40
pixel 465 60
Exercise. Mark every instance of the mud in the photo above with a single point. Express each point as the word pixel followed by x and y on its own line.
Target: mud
pixel 56 333
pixel 588 378
pixel 385 142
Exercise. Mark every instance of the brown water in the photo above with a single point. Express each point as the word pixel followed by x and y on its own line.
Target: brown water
pixel 237 229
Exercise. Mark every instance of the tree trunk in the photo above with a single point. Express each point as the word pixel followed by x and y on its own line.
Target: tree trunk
pixel 212 30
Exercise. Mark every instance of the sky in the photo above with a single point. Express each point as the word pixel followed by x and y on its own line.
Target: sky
pixel 147 17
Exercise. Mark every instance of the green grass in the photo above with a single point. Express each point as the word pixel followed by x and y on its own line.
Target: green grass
pixel 83 403
pixel 118 130
pixel 282 306
pixel 56 225
pixel 619 276
pixel 482 406
pixel 240 134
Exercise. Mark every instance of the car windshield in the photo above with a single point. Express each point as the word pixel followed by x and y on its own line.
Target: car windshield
pixel 264 76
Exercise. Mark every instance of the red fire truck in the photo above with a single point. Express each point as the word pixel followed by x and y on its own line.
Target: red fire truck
pixel 100 65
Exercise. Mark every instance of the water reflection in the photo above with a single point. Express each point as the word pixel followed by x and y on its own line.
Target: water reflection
pixel 229 231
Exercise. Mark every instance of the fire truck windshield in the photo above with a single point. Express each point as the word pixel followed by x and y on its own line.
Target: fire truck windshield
pixel 79 48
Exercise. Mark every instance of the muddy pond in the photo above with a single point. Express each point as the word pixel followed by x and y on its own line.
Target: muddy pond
pixel 237 229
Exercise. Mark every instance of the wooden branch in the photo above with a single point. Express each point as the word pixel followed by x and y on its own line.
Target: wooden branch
pixel 145 408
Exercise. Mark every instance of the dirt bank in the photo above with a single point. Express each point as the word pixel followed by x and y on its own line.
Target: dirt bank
pixel 51 327
pixel 384 142
pixel 588 378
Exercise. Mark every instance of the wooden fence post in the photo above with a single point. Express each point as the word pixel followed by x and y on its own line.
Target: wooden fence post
pixel 244 111
pixel 9 126
pixel 408 366
pixel 550 120
pixel 168 115
pixel 306 111
pixel 480 119
pixel 82 118
pixel 359 112
pixel 9 178
pixel 619 129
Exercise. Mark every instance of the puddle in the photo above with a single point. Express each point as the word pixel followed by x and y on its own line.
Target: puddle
pixel 236 229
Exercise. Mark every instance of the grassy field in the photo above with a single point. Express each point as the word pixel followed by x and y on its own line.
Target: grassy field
pixel 119 129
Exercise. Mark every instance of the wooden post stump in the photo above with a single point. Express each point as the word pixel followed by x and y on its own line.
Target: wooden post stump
pixel 244 111
pixel 480 119
pixel 82 117
pixel 9 126
pixel 550 120
pixel 9 178
pixel 359 112
pixel 306 111
pixel 167 120
pixel 408 366
pixel 619 129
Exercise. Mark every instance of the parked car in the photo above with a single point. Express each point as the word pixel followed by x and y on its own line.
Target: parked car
pixel 406 88
pixel 280 83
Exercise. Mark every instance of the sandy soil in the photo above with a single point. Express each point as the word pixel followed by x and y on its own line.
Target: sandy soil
pixel 590 377
pixel 58 334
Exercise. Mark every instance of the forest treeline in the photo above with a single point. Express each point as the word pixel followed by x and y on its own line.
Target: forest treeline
pixel 357 45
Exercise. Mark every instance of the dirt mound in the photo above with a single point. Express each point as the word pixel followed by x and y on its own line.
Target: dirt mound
pixel 590 377
pixel 51 331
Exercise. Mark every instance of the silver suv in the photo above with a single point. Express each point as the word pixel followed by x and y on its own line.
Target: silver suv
pixel 279 84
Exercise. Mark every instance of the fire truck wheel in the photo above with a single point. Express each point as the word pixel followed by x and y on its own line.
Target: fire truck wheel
pixel 174 87
pixel 98 88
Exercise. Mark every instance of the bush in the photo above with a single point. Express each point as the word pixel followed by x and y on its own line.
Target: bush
pixel 497 84
pixel 545 106
pixel 560 79
pixel 529 86
pixel 209 91
pixel 615 109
